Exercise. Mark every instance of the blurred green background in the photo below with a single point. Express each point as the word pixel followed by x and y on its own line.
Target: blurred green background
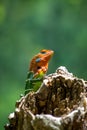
pixel 27 26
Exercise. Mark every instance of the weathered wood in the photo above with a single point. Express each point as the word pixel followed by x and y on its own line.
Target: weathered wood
pixel 59 104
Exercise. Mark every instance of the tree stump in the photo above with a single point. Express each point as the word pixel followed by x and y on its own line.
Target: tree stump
pixel 59 104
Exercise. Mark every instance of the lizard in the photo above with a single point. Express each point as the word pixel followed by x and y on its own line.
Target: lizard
pixel 37 70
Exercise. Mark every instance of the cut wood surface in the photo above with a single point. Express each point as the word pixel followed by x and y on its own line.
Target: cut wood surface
pixel 59 104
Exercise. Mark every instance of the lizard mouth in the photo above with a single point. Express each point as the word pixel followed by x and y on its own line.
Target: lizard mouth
pixel 41 60
pixel 47 56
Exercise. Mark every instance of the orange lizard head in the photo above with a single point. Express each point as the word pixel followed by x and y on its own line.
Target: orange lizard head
pixel 39 63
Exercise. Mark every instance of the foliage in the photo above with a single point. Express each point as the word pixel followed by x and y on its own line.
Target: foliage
pixel 28 26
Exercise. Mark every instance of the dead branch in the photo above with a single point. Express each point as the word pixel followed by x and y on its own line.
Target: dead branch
pixel 59 104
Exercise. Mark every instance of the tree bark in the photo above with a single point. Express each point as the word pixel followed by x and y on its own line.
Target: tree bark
pixel 59 104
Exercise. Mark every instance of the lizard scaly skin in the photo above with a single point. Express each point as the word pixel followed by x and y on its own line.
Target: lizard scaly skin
pixel 37 69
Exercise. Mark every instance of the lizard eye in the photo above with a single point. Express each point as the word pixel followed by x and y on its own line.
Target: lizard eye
pixel 43 52
pixel 38 67
pixel 38 60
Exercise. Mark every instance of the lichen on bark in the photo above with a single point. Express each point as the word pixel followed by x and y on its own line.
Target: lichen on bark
pixel 59 104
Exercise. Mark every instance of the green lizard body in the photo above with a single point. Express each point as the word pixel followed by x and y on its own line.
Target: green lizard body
pixel 38 68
